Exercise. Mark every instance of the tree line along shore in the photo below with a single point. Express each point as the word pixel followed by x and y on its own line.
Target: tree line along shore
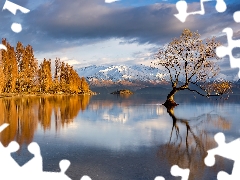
pixel 20 73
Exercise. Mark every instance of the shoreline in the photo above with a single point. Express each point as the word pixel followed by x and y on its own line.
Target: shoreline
pixel 7 95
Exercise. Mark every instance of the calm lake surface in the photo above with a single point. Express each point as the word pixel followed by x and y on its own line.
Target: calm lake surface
pixel 111 137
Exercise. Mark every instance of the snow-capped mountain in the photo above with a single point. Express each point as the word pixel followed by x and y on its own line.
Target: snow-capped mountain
pixel 120 73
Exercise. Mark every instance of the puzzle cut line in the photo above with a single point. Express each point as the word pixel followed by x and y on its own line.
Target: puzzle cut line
pixel 223 51
pixel 182 7
pixel 227 150
pixel 177 171
pixel 12 7
pixel 33 169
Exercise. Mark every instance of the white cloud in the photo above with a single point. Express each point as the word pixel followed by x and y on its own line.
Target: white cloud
pixel 100 53
pixel 70 61
pixel 110 1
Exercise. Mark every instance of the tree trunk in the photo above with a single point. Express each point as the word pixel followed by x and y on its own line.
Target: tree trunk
pixel 170 99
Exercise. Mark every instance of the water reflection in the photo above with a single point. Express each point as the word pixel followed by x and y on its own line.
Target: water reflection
pixel 25 113
pixel 189 141
pixel 107 132
pixel 125 95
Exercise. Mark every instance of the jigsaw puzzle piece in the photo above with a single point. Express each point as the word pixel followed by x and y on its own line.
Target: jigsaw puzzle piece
pixel 86 178
pixel 35 164
pixel 33 169
pixel 12 7
pixel 236 16
pixel 235 173
pixel 159 178
pixel 8 165
pixel 223 176
pixel 228 150
pixel 222 51
pixel 182 11
pixel 64 165
pixel 221 6
pixel 5 152
pixel 182 6
pixel 40 175
pixel 177 171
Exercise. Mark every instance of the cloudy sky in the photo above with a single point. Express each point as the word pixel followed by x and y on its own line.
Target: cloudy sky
pixel 92 32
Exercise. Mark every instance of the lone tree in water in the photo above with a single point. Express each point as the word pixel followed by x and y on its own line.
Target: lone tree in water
pixel 188 62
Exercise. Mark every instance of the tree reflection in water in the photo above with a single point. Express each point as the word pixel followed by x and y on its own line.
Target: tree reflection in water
pixel 25 113
pixel 188 147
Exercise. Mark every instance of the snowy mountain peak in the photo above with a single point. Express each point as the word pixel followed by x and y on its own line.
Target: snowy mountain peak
pixel 120 73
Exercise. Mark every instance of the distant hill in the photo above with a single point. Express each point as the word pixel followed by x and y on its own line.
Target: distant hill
pixel 129 73
pixel 137 78
pixel 161 90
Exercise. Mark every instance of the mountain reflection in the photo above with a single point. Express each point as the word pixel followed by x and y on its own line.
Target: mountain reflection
pixel 189 141
pixel 25 113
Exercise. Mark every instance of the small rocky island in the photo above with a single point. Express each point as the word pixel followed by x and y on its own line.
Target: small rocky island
pixel 123 92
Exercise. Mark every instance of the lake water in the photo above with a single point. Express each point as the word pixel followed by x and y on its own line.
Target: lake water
pixel 110 137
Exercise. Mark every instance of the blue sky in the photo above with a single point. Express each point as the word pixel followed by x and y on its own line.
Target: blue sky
pixel 91 32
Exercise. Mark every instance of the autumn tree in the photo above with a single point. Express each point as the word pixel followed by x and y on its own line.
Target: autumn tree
pixel 2 75
pixel 27 68
pixel 45 76
pixel 56 81
pixel 74 81
pixel 70 82
pixel 63 77
pixel 189 65
pixel 84 84
pixel 19 56
pixel 9 65
pixel 20 73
